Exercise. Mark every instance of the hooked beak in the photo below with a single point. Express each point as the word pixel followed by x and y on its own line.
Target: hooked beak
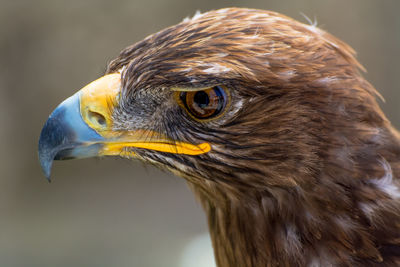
pixel 82 127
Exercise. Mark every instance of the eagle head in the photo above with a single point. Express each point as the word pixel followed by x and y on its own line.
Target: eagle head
pixel 270 122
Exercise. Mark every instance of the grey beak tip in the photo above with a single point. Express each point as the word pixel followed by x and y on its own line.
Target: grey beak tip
pixel 65 135
pixel 46 161
pixel 47 172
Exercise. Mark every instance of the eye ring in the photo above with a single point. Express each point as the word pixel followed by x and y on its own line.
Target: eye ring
pixel 204 104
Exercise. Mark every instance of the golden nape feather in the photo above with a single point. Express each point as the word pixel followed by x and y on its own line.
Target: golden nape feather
pixel 270 122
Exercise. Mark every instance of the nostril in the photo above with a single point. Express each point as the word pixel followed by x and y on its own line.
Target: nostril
pixel 97 119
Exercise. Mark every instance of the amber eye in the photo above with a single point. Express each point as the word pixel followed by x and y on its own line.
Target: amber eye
pixel 204 104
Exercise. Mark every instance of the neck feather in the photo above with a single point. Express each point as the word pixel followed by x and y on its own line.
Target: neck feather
pixel 292 227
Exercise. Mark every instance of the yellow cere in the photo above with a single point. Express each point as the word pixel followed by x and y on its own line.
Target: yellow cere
pixel 97 101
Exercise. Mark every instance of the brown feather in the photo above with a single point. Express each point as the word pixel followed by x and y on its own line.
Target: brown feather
pixel 304 168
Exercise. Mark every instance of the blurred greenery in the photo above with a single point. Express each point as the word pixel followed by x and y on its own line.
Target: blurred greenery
pixel 116 212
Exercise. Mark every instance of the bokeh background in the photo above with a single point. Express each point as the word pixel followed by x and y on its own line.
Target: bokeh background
pixel 109 212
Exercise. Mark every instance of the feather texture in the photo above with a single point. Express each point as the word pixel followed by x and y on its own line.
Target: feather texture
pixel 304 168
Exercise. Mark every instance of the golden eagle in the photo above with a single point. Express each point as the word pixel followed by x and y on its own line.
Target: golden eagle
pixel 270 122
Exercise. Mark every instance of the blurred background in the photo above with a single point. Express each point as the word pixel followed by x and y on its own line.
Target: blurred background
pixel 109 212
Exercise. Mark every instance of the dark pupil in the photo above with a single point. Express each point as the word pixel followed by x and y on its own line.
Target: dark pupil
pixel 201 99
